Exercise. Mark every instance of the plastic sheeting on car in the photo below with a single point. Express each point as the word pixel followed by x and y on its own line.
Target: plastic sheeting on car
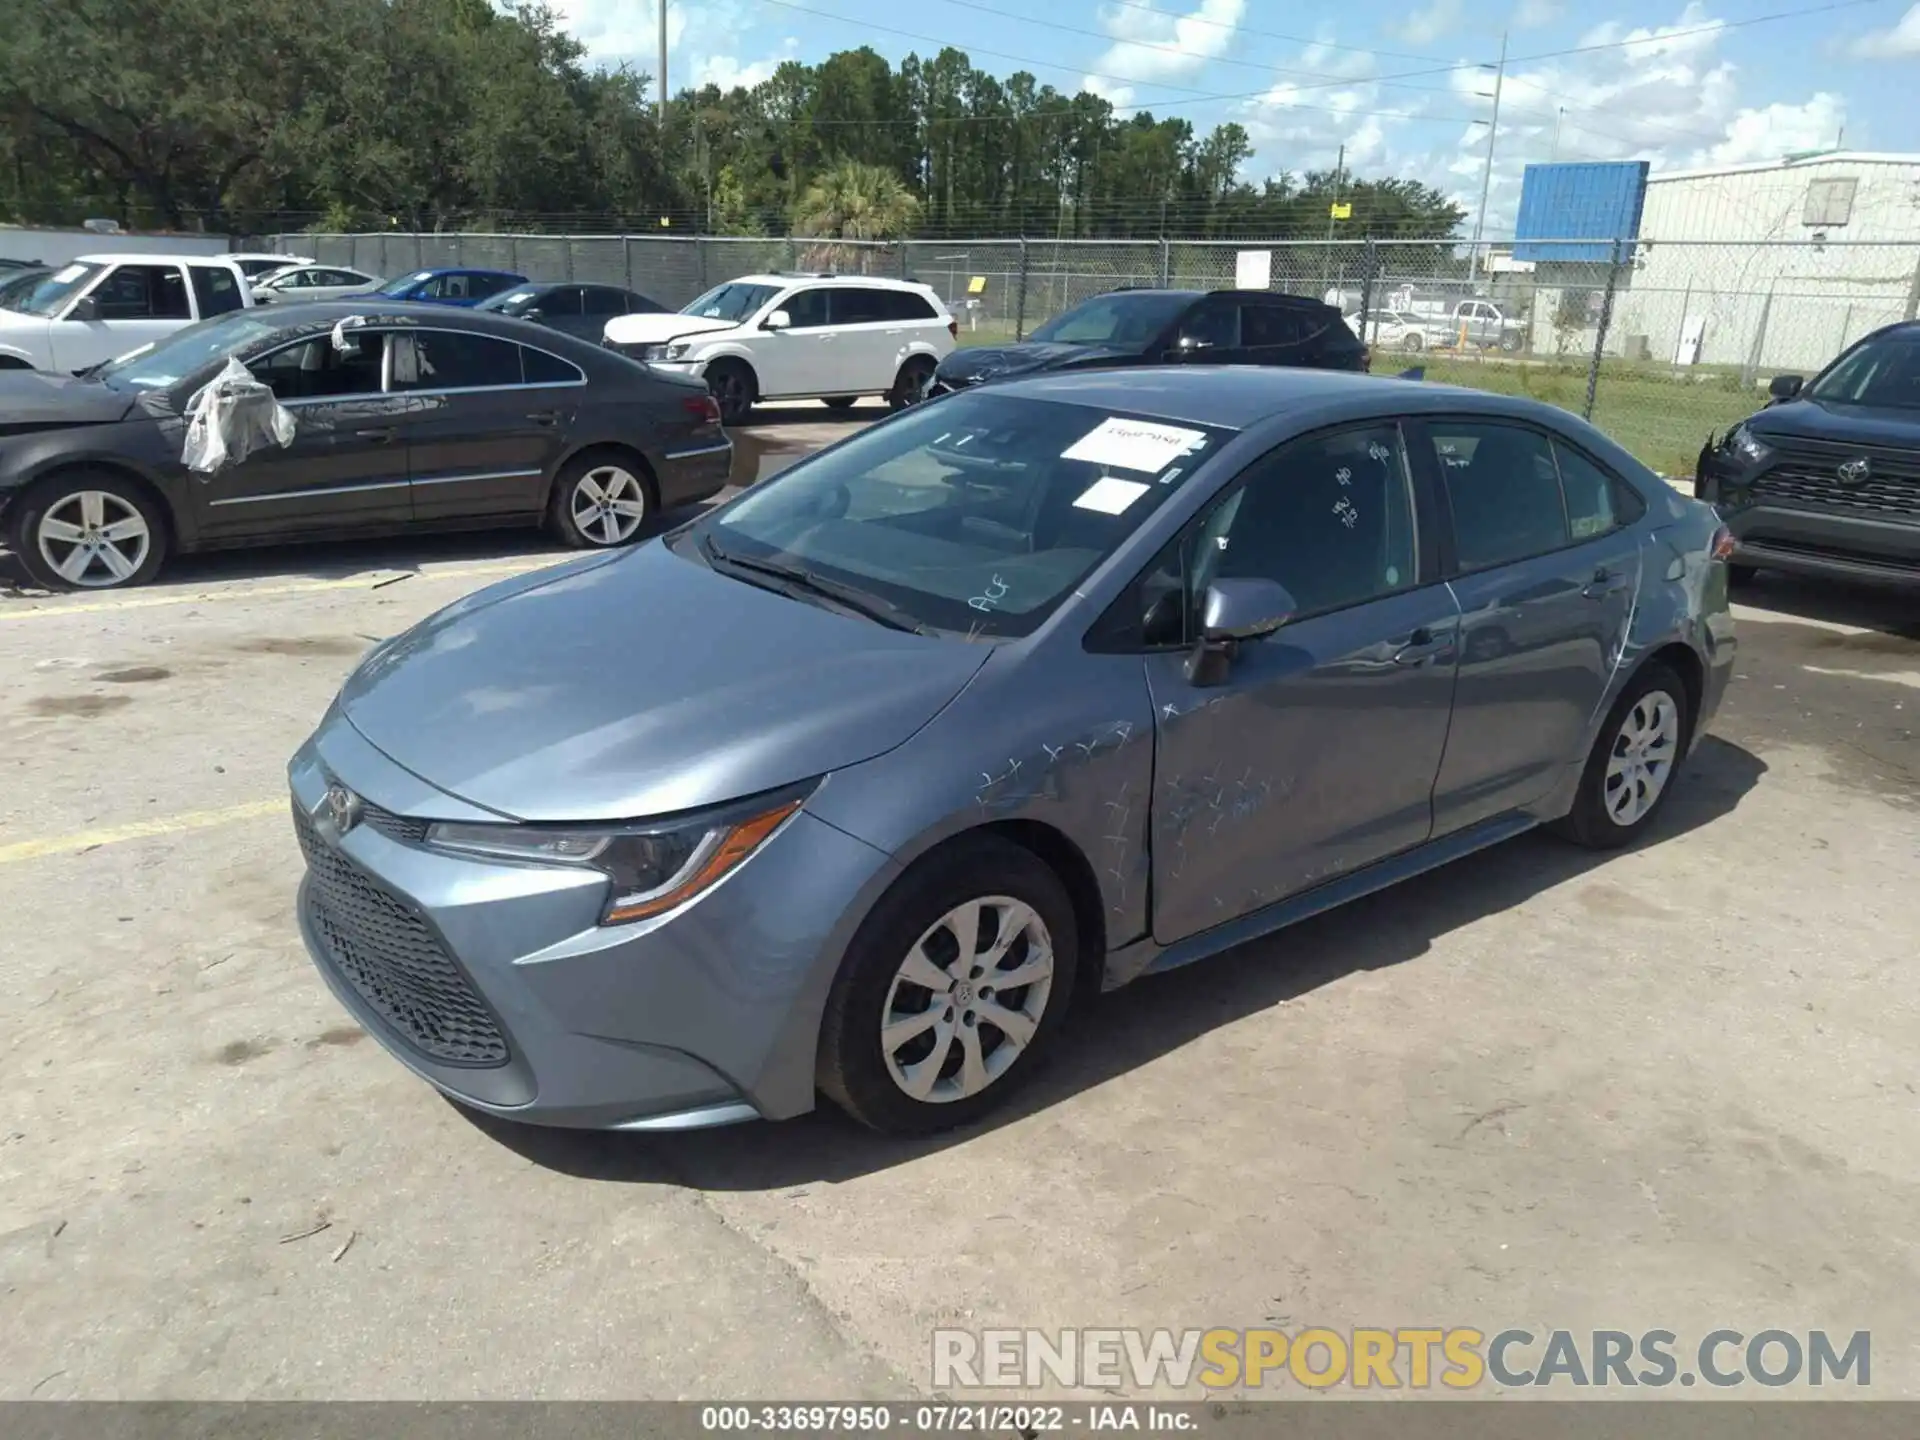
pixel 229 418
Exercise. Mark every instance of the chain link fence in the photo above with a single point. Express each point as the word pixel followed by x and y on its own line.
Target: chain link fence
pixel 1658 342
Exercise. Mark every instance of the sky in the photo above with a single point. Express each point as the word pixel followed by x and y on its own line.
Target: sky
pixel 1407 88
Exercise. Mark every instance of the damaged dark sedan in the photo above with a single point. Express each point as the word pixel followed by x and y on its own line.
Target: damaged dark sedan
pixel 394 419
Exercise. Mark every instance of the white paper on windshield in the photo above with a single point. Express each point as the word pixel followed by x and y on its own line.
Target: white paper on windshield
pixel 69 275
pixel 1110 496
pixel 1133 445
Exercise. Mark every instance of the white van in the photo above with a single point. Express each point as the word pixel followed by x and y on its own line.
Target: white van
pixel 101 306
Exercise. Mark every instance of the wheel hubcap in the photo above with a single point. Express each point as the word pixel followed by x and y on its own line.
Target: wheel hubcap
pixel 94 539
pixel 1642 758
pixel 967 999
pixel 609 504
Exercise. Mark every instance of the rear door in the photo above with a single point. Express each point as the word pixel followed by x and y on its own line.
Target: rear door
pixel 1545 569
pixel 347 466
pixel 485 422
pixel 135 305
pixel 560 308
pixel 215 290
pixel 598 305
pixel 871 336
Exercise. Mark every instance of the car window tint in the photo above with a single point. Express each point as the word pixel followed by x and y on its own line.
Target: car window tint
pixel 909 305
pixel 1596 501
pixel 481 286
pixel 602 300
pixel 143 292
pixel 1504 490
pixel 1211 327
pixel 860 307
pixel 216 289
pixel 1330 518
pixel 540 368
pixel 450 360
pixel 314 370
pixel 560 300
pixel 806 307
pixel 1265 325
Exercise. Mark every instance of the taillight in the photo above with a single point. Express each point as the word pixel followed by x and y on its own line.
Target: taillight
pixel 704 408
pixel 953 327
pixel 1723 546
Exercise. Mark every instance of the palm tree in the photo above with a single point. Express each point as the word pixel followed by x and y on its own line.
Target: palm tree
pixel 852 201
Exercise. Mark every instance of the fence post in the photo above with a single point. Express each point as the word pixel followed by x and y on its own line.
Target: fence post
pixel 626 258
pixel 1020 295
pixel 1369 257
pixel 567 240
pixel 1600 333
pixel 1166 263
pixel 513 253
pixel 419 252
pixel 459 247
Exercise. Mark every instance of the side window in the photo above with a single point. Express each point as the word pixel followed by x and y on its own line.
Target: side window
pixel 908 305
pixel 314 370
pixel 143 292
pixel 540 368
pixel 806 308
pixel 216 290
pixel 479 287
pixel 602 300
pixel 1211 326
pixel 450 360
pixel 860 307
pixel 1331 518
pixel 1269 325
pixel 561 300
pixel 1504 490
pixel 1596 502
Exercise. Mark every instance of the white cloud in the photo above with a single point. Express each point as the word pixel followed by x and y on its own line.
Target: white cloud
pixel 1532 14
pixel 616 31
pixel 1156 46
pixel 1423 27
pixel 1898 43
pixel 728 71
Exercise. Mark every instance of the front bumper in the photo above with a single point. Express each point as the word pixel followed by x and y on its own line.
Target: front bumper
pixel 1810 538
pixel 495 982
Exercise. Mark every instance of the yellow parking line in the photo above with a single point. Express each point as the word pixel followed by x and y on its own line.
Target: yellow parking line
pixel 305 587
pixel 138 830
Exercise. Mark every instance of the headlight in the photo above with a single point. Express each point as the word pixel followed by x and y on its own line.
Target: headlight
pixel 1741 444
pixel 678 352
pixel 652 868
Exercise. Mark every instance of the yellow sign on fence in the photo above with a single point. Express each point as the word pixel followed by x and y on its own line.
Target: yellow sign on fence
pixel 1340 211
pixel 977 285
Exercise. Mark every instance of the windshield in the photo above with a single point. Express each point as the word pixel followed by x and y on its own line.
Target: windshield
pixel 164 362
pixel 404 283
pixel 1115 320
pixel 50 294
pixel 13 290
pixel 732 301
pixel 1879 373
pixel 978 514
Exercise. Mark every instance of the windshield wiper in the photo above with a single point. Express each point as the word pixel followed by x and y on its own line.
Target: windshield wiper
pixel 883 612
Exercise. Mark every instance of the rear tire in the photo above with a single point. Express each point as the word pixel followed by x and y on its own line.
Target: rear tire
pixel 601 501
pixel 910 385
pixel 89 530
pixel 1634 762
pixel 1411 343
pixel 839 402
pixel 912 1011
pixel 734 388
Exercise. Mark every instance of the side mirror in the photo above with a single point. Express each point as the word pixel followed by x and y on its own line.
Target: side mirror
pixel 1785 387
pixel 778 320
pixel 85 308
pixel 536 313
pixel 1231 612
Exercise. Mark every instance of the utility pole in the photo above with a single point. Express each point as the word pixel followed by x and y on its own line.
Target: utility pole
pixel 1326 259
pixel 663 81
pixel 1557 119
pixel 1486 175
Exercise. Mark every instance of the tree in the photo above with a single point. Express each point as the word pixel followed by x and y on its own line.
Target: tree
pixel 854 201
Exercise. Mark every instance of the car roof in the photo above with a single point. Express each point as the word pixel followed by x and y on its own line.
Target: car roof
pixel 266 255
pixel 883 282
pixel 429 270
pixel 1240 397
pixel 320 315
pixel 136 258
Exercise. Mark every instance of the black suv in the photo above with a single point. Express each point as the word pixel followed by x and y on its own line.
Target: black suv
pixel 1159 327
pixel 1826 479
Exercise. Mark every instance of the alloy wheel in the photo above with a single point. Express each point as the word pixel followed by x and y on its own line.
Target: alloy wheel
pixel 1641 759
pixel 967 999
pixel 94 539
pixel 609 505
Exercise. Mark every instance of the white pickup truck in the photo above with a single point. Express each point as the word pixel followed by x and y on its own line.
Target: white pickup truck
pixel 101 306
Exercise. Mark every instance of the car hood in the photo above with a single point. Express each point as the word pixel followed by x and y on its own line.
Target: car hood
pixel 652 329
pixel 975 363
pixel 642 684
pixel 43 398
pixel 1843 424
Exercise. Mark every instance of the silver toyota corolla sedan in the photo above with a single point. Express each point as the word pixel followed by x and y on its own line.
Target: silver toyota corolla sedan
pixel 853 785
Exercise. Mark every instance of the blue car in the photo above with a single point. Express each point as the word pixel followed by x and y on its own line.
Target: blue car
pixel 450 287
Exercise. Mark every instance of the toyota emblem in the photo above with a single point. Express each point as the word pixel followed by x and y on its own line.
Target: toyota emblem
pixel 1856 472
pixel 342 807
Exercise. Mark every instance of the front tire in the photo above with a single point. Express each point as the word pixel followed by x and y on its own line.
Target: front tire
pixel 950 990
pixel 1631 769
pixel 600 502
pixel 89 530
pixel 1411 343
pixel 734 389
pixel 839 402
pixel 910 385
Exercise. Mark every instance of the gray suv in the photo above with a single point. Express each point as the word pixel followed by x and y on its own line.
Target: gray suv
pixel 852 786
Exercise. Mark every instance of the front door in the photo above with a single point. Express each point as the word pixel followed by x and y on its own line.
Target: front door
pixel 481 439
pixel 134 305
pixel 1318 753
pixel 1546 580
pixel 347 465
pixel 804 358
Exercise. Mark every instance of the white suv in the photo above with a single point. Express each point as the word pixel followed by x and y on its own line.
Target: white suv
pixel 798 337
pixel 102 306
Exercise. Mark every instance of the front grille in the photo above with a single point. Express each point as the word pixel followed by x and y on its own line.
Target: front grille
pixel 394 962
pixel 1807 477
pixel 395 827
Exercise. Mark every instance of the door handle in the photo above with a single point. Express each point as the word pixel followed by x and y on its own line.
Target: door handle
pixel 545 417
pixel 1420 647
pixel 1605 582
pixel 379 437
